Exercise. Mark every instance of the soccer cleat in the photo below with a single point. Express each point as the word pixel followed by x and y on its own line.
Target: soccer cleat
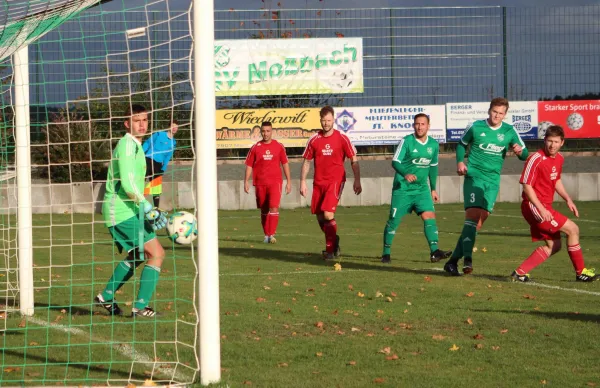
pixel 337 251
pixel 587 275
pixel 438 255
pixel 468 266
pixel 386 259
pixel 266 240
pixel 451 268
pixel 111 306
pixel 146 312
pixel 328 256
pixel 272 240
pixel 520 278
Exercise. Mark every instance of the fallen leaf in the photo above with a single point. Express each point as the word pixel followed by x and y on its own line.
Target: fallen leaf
pixel 33 343
pixel 340 332
pixel 495 347
pixel 355 329
pixel 351 363
pixel 454 348
pixel 33 374
pixel 319 325
pixel 590 384
pixel 470 294
pixel 469 321
pixel 337 267
pixel 370 335
pixel 527 296
pixel 259 300
pixel 247 382
pixel 360 294
pixel 427 278
pixel 149 383
pixel 544 382
pixel 438 337
pixel 379 380
pixel 319 354
pixel 23 323
pixel 393 294
pixel 282 365
pixel 408 303
pixel 389 299
pixel 474 249
pixel 478 336
pixel 478 346
pixel 484 249
pixel 386 350
pixel 286 284
pixel 380 312
pixel 503 331
pixel 392 357
pixel 266 287
pixel 350 287
pixel 378 294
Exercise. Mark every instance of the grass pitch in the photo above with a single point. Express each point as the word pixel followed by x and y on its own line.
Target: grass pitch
pixel 290 319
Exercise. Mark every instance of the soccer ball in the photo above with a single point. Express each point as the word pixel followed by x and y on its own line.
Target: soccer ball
pixel 575 121
pixel 543 127
pixel 182 228
pixel 340 79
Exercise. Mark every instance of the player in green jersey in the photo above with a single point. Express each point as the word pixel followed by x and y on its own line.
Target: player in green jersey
pixel 490 140
pixel 414 187
pixel 131 219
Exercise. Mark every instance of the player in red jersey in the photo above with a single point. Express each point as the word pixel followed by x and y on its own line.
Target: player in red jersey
pixel 329 149
pixel 262 163
pixel 541 178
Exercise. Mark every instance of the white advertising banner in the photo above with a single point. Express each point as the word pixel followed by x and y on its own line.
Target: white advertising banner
pixel 256 67
pixel 378 125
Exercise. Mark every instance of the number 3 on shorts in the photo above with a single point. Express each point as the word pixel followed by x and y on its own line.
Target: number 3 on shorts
pixel 472 197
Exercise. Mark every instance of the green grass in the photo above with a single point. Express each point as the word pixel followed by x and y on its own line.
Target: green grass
pixel 288 319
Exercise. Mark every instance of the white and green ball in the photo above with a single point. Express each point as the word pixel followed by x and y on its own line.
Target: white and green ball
pixel 182 228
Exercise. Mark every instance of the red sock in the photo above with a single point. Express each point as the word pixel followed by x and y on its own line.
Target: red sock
pixel 322 225
pixel 263 222
pixel 576 257
pixel 537 257
pixel 330 233
pixel 272 221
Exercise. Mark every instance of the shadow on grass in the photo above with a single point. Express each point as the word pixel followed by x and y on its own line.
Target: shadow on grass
pixel 572 316
pixel 71 310
pixel 73 365
pixel 372 264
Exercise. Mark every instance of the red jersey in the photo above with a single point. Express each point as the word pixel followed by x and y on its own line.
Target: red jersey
pixel 542 172
pixel 329 154
pixel 265 160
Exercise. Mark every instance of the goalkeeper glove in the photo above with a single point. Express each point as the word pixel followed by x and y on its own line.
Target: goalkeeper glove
pixel 154 215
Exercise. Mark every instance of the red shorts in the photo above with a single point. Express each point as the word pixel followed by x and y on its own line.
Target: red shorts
pixel 268 195
pixel 325 198
pixel 542 230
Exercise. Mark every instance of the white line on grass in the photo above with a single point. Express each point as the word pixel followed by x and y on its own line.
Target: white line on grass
pixel 124 349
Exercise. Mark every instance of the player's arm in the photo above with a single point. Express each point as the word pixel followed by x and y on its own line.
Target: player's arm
pixel 247 175
pixel 528 178
pixel 288 178
pixel 433 174
pixel 560 189
pixel 397 165
pixel 532 197
pixel 519 147
pixel 126 165
pixel 356 172
pixel 168 157
pixel 303 175
pixel 461 151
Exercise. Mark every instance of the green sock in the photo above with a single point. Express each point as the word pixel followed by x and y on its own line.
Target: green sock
pixel 469 233
pixel 431 234
pixel 389 232
pixel 122 273
pixel 457 253
pixel 148 282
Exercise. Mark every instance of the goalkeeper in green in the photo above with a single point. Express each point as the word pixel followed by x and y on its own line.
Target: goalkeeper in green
pixel 130 218
pixel 490 139
pixel 414 187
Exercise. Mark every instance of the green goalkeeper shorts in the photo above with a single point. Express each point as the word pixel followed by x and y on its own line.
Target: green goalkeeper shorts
pixel 126 235
pixel 405 202
pixel 479 193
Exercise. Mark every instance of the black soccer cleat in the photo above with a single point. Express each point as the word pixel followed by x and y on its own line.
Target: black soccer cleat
pixel 438 255
pixel 337 251
pixel 386 259
pixel 146 312
pixel 468 266
pixel 451 268
pixel 520 278
pixel 328 256
pixel 111 306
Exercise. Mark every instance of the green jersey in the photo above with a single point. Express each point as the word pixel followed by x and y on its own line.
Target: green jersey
pixel 488 149
pixel 418 158
pixel 125 181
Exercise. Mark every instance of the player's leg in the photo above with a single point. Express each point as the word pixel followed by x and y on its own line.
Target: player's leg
pixel 260 193
pixel 574 249
pixel 425 208
pixel 155 255
pixel 537 257
pixel 331 197
pixel 273 201
pixel 400 205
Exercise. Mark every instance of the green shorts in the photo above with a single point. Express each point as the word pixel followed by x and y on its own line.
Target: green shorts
pixel 126 235
pixel 479 193
pixel 405 202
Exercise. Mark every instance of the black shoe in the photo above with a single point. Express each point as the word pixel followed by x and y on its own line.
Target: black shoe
pixel 328 256
pixel 438 255
pixel 386 259
pixel 337 251
pixel 468 266
pixel 146 312
pixel 519 278
pixel 451 268
pixel 111 306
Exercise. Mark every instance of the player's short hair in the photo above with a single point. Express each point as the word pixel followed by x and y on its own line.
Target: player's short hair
pixel 325 110
pixel 555 130
pixel 499 101
pixel 420 115
pixel 134 109
pixel 266 124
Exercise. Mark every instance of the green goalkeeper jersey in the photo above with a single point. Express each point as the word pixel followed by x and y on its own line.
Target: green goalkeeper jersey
pixel 418 158
pixel 125 181
pixel 488 149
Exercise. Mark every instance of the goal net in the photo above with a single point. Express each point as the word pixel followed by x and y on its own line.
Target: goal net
pixel 89 60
